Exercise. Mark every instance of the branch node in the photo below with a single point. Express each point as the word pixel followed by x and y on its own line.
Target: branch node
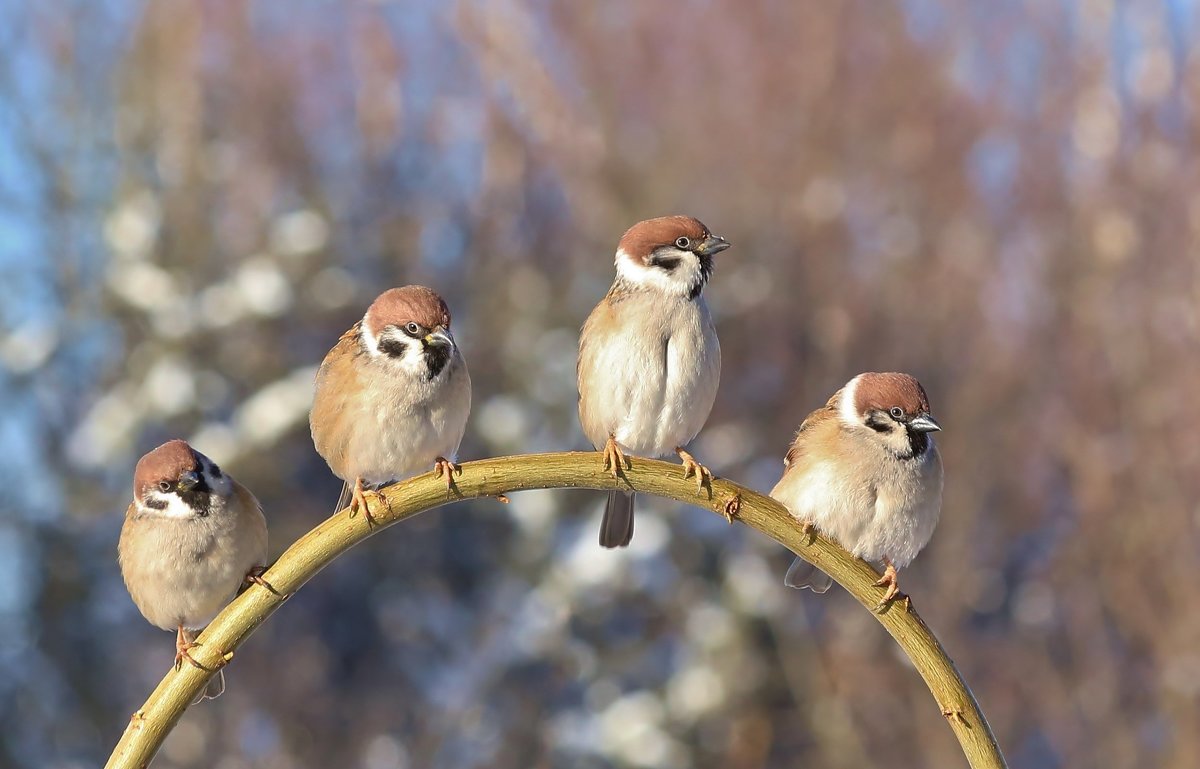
pixel 732 508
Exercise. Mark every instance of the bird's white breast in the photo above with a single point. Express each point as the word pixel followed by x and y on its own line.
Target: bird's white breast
pixel 907 507
pixel 652 376
pixel 405 422
pixel 182 572
pixel 872 503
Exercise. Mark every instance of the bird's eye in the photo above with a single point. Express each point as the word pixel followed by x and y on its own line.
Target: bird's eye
pixel 164 486
pixel 896 412
pixel 682 243
pixel 412 328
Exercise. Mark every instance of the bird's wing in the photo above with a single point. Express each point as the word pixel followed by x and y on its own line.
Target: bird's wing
pixel 337 382
pixel 592 338
pixel 814 423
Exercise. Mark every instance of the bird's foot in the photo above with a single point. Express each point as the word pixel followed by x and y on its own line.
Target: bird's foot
pixel 614 458
pixel 692 467
pixel 255 577
pixel 183 648
pixel 444 467
pixel 183 652
pixel 359 501
pixel 892 585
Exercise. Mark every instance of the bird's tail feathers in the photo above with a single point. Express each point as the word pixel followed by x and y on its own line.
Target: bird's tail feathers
pixel 616 529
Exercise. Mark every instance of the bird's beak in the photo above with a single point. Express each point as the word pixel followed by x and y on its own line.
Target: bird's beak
pixel 189 480
pixel 439 336
pixel 713 245
pixel 924 424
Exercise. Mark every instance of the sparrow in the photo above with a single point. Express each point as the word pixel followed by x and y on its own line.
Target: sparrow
pixel 864 470
pixel 649 361
pixel 192 537
pixel 392 396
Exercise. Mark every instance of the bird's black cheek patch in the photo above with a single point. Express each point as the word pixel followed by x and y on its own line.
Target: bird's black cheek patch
pixel 667 263
pixel 155 503
pixel 198 498
pixel 393 347
pixel 880 423
pixel 706 268
pixel 436 357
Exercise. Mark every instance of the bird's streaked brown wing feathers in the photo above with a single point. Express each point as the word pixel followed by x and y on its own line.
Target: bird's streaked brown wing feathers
pixel 590 338
pixel 337 382
pixel 811 422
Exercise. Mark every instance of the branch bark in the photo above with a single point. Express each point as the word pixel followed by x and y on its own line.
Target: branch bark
pixel 150 725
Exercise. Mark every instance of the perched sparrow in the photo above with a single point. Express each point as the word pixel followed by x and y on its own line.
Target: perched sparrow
pixel 192 537
pixel 392 396
pixel 649 361
pixel 865 471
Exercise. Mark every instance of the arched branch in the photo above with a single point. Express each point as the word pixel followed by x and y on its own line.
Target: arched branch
pixel 312 552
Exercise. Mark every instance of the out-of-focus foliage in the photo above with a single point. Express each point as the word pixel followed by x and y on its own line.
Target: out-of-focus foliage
pixel 196 198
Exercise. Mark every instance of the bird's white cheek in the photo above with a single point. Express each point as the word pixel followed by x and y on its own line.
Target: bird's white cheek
pixel 679 281
pixel 167 505
pixel 411 363
pixel 413 359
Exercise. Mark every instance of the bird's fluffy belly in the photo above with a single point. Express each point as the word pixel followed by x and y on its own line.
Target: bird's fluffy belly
pixel 901 527
pixel 386 448
pixel 393 438
pixel 654 391
pixel 181 589
pixel 840 510
pixel 871 520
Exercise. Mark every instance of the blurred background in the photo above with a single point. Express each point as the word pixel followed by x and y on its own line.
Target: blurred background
pixel 1000 197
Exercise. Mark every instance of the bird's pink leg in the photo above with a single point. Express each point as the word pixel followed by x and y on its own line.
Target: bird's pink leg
pixel 358 501
pixel 692 467
pixel 444 467
pixel 182 647
pixel 892 583
pixel 254 577
pixel 614 458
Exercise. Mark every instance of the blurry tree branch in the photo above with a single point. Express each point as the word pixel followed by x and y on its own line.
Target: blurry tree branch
pixel 148 728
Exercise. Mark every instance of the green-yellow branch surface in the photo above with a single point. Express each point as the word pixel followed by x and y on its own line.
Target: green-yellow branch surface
pixel 150 725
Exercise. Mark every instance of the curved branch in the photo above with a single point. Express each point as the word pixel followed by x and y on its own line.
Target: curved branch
pixel 312 552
